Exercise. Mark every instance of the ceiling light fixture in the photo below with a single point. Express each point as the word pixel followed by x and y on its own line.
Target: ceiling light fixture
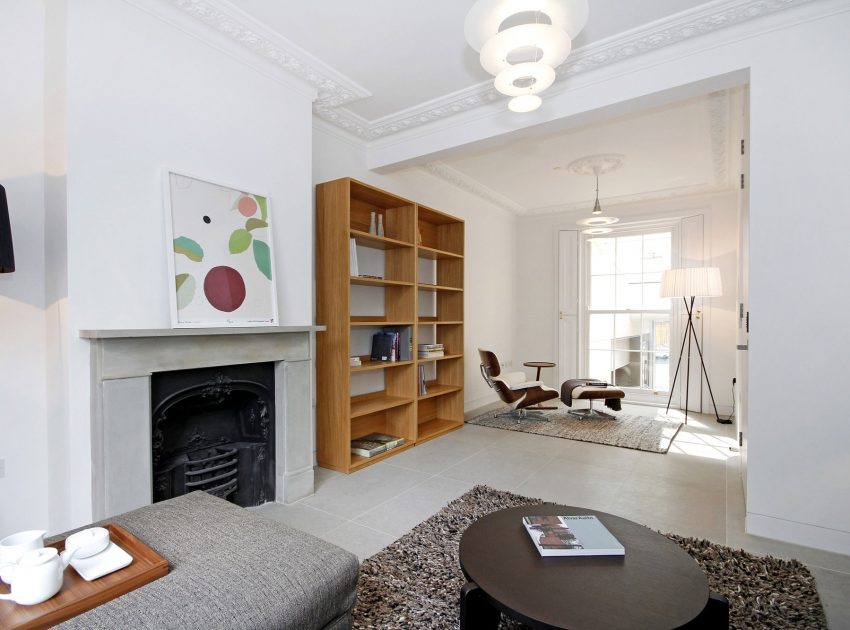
pixel 597 165
pixel 521 42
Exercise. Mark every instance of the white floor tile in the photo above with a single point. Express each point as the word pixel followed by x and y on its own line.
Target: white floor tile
pixel 358 539
pixel 300 516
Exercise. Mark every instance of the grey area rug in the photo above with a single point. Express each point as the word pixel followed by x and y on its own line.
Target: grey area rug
pixel 415 582
pixel 625 430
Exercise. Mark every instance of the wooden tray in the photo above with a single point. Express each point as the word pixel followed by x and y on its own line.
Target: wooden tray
pixel 77 595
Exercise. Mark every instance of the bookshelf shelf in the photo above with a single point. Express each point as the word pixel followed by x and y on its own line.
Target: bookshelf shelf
pixel 366 364
pixel 443 358
pixel 438 389
pixel 436 287
pixel 378 282
pixel 436 427
pixel 371 403
pixel 415 237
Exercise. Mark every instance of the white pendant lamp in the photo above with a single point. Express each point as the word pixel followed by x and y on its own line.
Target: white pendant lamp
pixel 521 42
pixel 597 165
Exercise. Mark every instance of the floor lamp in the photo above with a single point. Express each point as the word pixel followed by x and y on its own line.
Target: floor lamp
pixel 692 282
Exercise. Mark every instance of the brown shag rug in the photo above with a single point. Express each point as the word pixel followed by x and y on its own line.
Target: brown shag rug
pixel 625 430
pixel 415 582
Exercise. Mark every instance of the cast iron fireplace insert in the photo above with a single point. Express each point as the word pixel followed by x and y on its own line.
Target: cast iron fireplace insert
pixel 212 429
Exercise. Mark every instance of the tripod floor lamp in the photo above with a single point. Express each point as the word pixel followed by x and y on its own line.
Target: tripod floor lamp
pixel 689 284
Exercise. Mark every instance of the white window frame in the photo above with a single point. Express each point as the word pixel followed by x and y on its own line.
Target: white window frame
pixel 633 394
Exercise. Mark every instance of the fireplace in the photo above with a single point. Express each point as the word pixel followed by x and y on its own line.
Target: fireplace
pixel 125 364
pixel 212 429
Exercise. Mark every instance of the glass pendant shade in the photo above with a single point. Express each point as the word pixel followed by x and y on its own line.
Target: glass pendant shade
pixel 485 18
pixel 554 46
pixel 538 76
pixel 524 103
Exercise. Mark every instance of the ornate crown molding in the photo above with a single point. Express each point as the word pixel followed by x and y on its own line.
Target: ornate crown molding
pixel 336 90
pixel 470 185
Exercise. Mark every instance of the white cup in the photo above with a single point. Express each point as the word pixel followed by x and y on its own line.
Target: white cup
pixel 14 546
pixel 88 542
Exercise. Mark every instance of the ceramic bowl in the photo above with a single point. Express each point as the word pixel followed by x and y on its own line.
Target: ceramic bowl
pixel 88 542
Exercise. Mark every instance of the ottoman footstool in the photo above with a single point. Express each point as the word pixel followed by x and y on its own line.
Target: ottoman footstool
pixel 579 389
pixel 230 568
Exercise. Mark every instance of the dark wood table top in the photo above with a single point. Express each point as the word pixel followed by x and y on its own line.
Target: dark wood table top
pixel 655 585
pixel 539 364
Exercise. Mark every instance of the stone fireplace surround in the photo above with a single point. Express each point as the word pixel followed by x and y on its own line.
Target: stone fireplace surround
pixel 122 364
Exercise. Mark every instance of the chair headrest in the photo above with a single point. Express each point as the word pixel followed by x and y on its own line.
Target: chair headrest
pixel 490 362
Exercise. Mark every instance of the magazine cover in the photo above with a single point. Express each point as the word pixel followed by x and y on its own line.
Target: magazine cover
pixel 571 536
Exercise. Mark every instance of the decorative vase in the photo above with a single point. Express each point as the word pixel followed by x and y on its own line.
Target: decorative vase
pixel 380 225
pixel 372 229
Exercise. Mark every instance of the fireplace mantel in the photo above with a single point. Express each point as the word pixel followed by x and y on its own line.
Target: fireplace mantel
pixel 127 333
pixel 122 364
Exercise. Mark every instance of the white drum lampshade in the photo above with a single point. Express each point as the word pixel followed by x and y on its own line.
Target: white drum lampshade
pixel 691 282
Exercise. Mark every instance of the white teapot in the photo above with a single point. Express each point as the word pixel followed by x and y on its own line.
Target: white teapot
pixel 37 576
pixel 14 546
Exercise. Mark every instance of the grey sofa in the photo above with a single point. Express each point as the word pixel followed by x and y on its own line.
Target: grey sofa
pixel 230 568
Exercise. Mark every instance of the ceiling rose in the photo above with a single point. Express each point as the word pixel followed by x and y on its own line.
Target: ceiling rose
pixel 599 164
pixel 521 42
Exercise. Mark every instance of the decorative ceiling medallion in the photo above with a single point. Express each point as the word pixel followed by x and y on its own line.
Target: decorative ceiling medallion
pixel 599 164
pixel 598 221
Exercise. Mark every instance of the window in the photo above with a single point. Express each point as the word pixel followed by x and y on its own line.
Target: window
pixel 628 325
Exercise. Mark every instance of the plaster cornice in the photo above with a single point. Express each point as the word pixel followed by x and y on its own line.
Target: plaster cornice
pixel 335 90
pixel 471 185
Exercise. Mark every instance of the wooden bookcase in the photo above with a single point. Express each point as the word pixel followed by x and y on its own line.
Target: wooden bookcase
pixel 420 261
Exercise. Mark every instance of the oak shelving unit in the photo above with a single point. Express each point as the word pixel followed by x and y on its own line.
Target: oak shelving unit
pixel 416 239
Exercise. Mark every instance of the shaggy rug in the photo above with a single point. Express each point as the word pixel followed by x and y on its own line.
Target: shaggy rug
pixel 415 582
pixel 625 430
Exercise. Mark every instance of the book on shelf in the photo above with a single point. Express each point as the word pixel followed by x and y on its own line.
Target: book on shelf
pixel 404 341
pixel 375 444
pixel 423 387
pixel 352 257
pixel 354 361
pixel 582 535
pixel 431 350
pixel 392 344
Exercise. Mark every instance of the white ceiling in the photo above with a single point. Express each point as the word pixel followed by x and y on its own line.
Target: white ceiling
pixel 407 52
pixel 679 149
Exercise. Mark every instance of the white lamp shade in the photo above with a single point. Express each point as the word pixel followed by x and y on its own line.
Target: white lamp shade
pixel 485 17
pixel 691 282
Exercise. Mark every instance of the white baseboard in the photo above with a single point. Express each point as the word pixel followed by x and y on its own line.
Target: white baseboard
pixel 805 534
pixel 469 405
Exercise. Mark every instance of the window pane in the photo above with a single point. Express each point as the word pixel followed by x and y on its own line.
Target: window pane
pixel 656 333
pixel 656 252
pixel 601 256
pixel 601 331
pixel 660 363
pixel 651 288
pixel 600 365
pixel 627 369
pixel 629 291
pixel 629 254
pixel 627 326
pixel 602 292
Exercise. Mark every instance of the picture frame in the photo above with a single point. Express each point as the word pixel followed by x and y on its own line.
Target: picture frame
pixel 220 246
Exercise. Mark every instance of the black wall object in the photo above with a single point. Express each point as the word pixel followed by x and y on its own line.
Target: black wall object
pixel 7 254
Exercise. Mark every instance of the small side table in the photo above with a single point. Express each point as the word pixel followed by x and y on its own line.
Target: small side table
pixel 540 365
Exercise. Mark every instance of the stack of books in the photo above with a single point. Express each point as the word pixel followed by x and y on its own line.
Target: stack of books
pixel 354 361
pixel 431 350
pixel 374 444
pixel 392 344
pixel 582 535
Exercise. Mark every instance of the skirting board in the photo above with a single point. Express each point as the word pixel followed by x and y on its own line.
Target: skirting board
pixel 834 540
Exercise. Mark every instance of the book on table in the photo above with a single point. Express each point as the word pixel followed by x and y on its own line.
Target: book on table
pixel 375 444
pixel 581 535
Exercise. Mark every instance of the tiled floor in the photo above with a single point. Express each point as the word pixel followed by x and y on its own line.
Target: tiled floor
pixel 694 490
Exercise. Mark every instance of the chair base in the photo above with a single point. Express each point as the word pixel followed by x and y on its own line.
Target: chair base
pixel 523 414
pixel 590 413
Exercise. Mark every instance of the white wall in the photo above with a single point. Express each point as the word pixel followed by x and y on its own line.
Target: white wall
pixel 149 88
pixel 797 61
pixel 23 435
pixel 537 281
pixel 489 255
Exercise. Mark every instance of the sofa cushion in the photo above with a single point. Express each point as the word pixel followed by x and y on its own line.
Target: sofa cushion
pixel 230 568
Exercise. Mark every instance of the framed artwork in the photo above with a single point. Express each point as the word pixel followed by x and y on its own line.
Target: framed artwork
pixel 220 254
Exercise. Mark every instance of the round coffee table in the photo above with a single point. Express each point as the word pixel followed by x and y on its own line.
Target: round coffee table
pixel 655 585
